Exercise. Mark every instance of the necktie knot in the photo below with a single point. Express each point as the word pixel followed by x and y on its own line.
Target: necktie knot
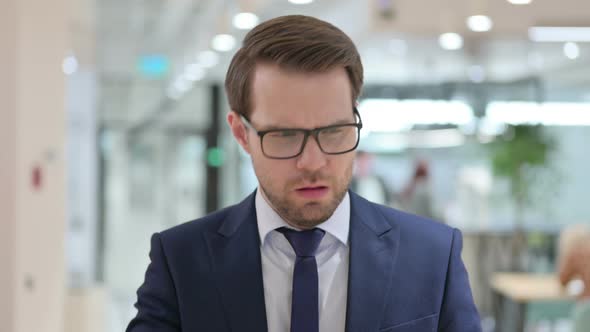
pixel 305 243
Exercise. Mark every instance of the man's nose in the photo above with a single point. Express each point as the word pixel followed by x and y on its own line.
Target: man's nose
pixel 311 158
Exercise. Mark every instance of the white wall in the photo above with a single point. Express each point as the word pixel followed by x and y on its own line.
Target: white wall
pixel 7 163
pixel 32 130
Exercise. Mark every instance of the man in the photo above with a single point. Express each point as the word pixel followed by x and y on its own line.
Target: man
pixel 302 253
pixel 367 183
pixel 416 197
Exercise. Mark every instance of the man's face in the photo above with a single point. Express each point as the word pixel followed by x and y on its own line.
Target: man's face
pixel 306 189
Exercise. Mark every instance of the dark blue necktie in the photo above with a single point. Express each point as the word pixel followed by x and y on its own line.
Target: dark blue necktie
pixel 305 298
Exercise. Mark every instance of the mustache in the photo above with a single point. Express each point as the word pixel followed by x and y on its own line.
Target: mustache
pixel 309 177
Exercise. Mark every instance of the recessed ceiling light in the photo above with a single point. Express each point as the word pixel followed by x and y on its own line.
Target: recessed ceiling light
pixel 450 41
pixel 69 65
pixel 300 2
pixel 245 21
pixel 520 2
pixel 571 50
pixel 223 42
pixel 479 23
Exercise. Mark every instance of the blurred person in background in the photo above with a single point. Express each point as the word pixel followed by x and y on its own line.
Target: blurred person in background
pixel 367 183
pixel 303 253
pixel 574 264
pixel 577 265
pixel 416 197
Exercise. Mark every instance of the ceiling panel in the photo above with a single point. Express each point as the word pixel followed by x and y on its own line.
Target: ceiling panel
pixel 179 29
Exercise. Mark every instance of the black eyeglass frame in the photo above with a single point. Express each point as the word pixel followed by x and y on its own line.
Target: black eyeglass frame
pixel 308 132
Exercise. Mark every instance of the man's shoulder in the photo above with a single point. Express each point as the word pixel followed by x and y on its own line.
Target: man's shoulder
pixel 421 238
pixel 414 221
pixel 201 224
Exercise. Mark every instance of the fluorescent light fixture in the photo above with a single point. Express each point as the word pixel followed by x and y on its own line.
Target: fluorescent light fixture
pixel 245 21
pixel 548 114
pixel 208 59
pixel 571 50
pixel 223 43
pixel 391 115
pixel 479 23
pixel 432 139
pixel 559 34
pixel 490 128
pixel 450 41
pixel 300 2
pixel 520 2
pixel 69 65
pixel 380 142
pixel 429 139
pixel 194 72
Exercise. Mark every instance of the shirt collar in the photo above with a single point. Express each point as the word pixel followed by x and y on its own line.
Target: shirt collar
pixel 337 225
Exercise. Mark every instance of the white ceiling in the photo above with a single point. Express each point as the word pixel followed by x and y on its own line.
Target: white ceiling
pixel 179 29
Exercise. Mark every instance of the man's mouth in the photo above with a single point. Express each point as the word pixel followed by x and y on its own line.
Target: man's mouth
pixel 312 192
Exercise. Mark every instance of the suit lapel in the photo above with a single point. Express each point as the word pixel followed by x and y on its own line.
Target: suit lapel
pixel 373 251
pixel 235 253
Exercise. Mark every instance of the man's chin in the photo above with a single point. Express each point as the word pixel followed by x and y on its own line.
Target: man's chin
pixel 311 214
pixel 311 205
pixel 308 221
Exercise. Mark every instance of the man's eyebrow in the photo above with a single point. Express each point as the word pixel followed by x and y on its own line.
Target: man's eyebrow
pixel 279 127
pixel 275 127
pixel 339 122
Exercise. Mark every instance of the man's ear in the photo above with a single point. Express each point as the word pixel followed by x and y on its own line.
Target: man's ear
pixel 239 130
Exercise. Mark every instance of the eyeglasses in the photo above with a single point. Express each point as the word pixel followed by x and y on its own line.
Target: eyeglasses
pixel 289 143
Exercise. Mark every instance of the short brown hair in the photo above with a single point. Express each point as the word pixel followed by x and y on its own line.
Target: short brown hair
pixel 293 42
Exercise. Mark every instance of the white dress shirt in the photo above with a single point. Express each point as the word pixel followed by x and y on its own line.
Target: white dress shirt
pixel 278 262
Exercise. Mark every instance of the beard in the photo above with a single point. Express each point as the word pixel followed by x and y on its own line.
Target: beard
pixel 306 215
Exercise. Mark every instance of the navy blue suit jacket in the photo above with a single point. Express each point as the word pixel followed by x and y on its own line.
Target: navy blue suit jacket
pixel 405 274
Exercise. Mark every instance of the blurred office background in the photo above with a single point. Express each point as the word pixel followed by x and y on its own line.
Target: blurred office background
pixel 476 113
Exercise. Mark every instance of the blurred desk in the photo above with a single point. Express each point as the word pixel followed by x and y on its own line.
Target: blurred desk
pixel 487 251
pixel 521 289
